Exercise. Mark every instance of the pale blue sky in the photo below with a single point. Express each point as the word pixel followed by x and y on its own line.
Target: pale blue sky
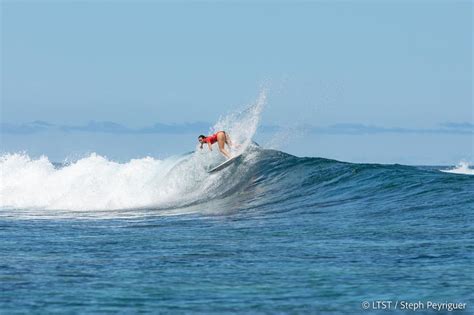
pixel 392 64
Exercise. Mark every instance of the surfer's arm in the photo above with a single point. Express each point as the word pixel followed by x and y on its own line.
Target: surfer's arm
pixel 210 146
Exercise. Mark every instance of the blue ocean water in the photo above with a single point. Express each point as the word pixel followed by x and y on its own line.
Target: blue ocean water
pixel 273 233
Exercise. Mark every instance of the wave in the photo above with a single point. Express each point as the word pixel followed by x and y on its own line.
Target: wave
pixel 269 180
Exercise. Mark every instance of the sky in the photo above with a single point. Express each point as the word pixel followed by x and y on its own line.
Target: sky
pixel 371 73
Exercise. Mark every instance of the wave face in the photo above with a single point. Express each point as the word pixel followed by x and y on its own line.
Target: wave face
pixel 264 179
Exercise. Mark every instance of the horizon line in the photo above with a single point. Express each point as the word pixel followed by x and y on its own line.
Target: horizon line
pixel 38 126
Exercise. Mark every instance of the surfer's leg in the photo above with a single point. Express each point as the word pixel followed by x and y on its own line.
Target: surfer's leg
pixel 229 142
pixel 227 139
pixel 221 142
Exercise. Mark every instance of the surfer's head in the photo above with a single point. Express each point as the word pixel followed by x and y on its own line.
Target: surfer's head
pixel 201 139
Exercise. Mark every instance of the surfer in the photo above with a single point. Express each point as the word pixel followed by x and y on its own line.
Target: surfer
pixel 221 137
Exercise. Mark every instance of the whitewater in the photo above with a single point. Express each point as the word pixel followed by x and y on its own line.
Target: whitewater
pixel 97 183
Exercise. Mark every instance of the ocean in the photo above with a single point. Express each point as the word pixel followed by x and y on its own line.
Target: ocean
pixel 270 234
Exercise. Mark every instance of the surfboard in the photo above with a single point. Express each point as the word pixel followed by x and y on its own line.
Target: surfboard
pixel 224 164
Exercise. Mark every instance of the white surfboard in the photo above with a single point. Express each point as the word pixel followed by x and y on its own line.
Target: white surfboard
pixel 224 164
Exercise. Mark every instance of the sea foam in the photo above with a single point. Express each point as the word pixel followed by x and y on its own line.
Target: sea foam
pixel 461 168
